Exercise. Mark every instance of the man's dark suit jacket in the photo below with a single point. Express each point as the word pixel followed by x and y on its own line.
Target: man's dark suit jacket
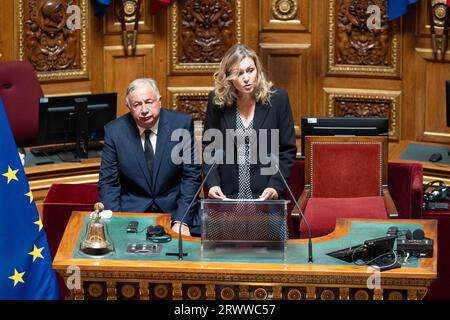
pixel 124 182
pixel 276 115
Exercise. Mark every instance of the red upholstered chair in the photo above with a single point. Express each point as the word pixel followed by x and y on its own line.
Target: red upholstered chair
pixel 58 205
pixel 21 91
pixel 345 177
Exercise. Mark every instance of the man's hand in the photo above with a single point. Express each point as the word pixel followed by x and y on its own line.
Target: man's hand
pixel 184 229
pixel 269 194
pixel 216 193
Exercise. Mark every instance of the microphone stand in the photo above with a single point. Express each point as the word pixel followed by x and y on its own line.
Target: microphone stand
pixel 310 254
pixel 180 252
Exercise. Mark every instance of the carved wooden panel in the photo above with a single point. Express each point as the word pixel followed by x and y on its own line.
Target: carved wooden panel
pixel 191 100
pixel 113 22
pixel 284 15
pixel 287 68
pixel 356 46
pixel 53 37
pixel 365 103
pixel 201 32
pixel 120 70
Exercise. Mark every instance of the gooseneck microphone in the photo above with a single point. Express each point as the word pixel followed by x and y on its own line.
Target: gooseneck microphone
pixel 218 154
pixel 310 253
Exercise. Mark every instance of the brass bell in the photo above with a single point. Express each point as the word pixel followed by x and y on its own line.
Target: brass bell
pixel 96 240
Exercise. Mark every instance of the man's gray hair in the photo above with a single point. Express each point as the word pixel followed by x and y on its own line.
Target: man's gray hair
pixel 140 83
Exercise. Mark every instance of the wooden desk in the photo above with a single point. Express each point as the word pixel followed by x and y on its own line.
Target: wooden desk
pixel 173 279
pixel 431 171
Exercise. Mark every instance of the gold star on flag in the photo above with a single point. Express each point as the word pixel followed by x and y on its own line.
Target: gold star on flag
pixel 30 194
pixel 36 253
pixel 17 277
pixel 39 223
pixel 11 174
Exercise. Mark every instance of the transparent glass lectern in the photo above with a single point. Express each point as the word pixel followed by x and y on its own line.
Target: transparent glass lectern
pixel 244 229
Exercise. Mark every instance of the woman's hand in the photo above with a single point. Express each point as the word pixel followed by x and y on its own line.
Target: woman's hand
pixel 269 194
pixel 216 193
pixel 184 229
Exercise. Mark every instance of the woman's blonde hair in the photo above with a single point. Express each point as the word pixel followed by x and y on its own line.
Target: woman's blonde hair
pixel 226 93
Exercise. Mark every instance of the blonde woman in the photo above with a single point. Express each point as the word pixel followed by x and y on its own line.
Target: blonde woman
pixel 260 118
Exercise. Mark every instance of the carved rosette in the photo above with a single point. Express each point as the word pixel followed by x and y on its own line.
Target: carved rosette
pixel 260 294
pixel 361 295
pixel 129 10
pixel 294 294
pixel 227 293
pixel 95 290
pixel 50 38
pixel 284 9
pixel 365 103
pixel 358 47
pixel 194 292
pixel 202 31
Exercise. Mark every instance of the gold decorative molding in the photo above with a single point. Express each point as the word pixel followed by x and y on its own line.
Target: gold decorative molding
pixel 177 291
pixel 176 66
pixel 61 73
pixel 310 293
pixel 378 294
pixel 344 293
pixel 243 292
pixel 269 279
pixel 191 100
pixel 144 292
pixel 392 98
pixel 390 67
pixel 210 291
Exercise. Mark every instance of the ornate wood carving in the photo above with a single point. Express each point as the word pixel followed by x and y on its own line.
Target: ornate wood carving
pixel 357 47
pixel 361 108
pixel 192 101
pixel 50 38
pixel 144 292
pixel 202 31
pixel 365 103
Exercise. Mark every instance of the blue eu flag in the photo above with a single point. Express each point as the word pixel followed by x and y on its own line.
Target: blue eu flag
pixel 397 8
pixel 25 261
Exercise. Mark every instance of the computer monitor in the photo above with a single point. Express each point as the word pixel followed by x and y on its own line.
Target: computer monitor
pixel 75 119
pixel 343 126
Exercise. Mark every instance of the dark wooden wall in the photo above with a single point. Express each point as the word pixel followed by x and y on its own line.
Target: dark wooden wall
pixel 320 51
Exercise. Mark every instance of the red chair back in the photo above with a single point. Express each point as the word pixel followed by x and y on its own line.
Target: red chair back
pixel 20 91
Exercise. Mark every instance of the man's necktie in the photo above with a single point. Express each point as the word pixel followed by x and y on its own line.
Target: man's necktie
pixel 148 151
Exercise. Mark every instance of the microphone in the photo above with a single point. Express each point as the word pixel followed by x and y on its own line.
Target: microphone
pixel 217 155
pixel 310 253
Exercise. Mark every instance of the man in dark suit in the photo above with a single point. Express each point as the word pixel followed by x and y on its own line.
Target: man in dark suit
pixel 139 172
